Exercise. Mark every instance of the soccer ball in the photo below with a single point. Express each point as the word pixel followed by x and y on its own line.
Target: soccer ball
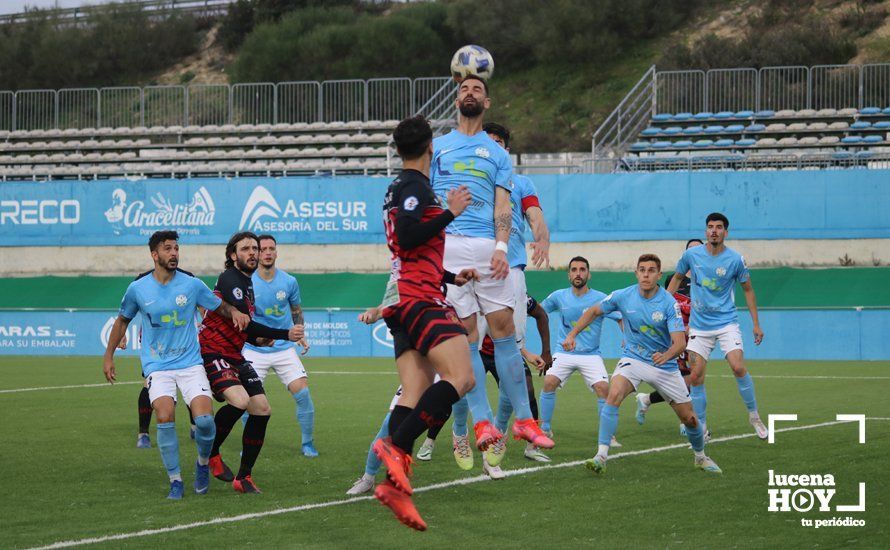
pixel 472 60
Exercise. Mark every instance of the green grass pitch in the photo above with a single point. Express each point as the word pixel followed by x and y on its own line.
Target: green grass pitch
pixel 71 469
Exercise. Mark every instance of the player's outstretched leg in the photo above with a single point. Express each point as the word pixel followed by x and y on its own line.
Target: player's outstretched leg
pixel 477 399
pixel 205 434
pixel 602 390
pixel 168 443
pixel 460 439
pixel 365 483
pixel 305 412
pixel 548 405
pixel 144 409
pixel 696 435
pixel 225 420
pixel 619 388
pixel 746 391
pixel 252 443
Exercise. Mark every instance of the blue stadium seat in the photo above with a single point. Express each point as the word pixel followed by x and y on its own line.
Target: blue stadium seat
pixel 703 143
pixel 864 154
pixel 886 111
pixel 651 131
pixel 639 146
pixel 734 129
pixel 765 113
pixel 870 111
pixel 672 130
pixel 693 130
pixel 704 115
pixel 755 128
pixel 682 144
pixel 682 116
pixel 881 125
pixel 725 142
pixel 715 129
pixel 724 115
pixel 744 114
pixel 842 155
pixel 662 117
pixel 661 145
pixel 860 125
pixel 852 140
pixel 747 142
pixel 872 139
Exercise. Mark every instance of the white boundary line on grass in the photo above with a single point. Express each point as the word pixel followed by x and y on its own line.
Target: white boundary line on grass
pixel 443 485
pixel 393 373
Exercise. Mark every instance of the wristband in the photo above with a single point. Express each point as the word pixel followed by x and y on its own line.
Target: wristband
pixel 502 246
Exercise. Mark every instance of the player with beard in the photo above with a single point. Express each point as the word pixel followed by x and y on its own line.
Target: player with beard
pixel 479 240
pixel 231 377
pixel 170 355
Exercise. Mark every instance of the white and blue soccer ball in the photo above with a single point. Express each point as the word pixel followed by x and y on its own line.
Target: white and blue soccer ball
pixel 474 60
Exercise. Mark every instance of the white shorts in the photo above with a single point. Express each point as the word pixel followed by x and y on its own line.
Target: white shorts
pixel 703 342
pixel 192 382
pixel 395 398
pixel 516 280
pixel 591 368
pixel 285 363
pixel 669 384
pixel 486 296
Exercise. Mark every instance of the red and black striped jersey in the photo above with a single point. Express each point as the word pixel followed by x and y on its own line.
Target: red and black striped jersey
pixel 417 271
pixel 218 334
pixel 685 306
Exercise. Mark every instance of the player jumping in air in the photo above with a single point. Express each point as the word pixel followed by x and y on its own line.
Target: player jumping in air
pixel 278 306
pixel 714 270
pixel 170 352
pixel 653 338
pixel 231 377
pixel 479 240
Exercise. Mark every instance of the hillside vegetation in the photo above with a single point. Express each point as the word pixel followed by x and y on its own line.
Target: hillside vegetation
pixel 561 65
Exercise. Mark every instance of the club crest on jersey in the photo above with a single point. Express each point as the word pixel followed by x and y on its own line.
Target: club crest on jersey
pixel 181 300
pixel 657 316
pixel 721 271
pixel 482 152
pixel 410 203
pixel 280 295
pixel 238 293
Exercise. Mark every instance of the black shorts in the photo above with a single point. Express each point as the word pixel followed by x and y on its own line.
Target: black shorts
pixel 488 361
pixel 421 325
pixel 223 373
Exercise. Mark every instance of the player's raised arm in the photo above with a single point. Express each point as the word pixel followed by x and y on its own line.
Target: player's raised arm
pixel 503 220
pixel 589 316
pixel 118 330
pixel 675 281
pixel 751 301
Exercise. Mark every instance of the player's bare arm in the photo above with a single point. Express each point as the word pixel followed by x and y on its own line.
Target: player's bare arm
pixel 541 234
pixel 542 321
pixel 465 276
pixel 239 319
pixel 459 199
pixel 678 345
pixel 118 330
pixel 296 313
pixel 675 282
pixel 589 316
pixel 503 219
pixel 371 315
pixel 751 300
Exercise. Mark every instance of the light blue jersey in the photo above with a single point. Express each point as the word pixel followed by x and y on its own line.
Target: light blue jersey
pixel 570 308
pixel 648 324
pixel 273 302
pixel 522 189
pixel 713 280
pixel 479 163
pixel 169 334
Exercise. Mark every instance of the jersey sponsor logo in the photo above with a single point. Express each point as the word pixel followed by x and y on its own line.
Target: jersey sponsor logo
pixel 182 300
pixel 263 213
pixel 163 213
pixel 274 311
pixel 237 293
pixel 410 204
pixel 280 295
pixel 173 317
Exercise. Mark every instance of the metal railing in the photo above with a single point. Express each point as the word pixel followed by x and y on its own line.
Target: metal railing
pixel 773 161
pixel 716 90
pixel 206 104
pixel 85 13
